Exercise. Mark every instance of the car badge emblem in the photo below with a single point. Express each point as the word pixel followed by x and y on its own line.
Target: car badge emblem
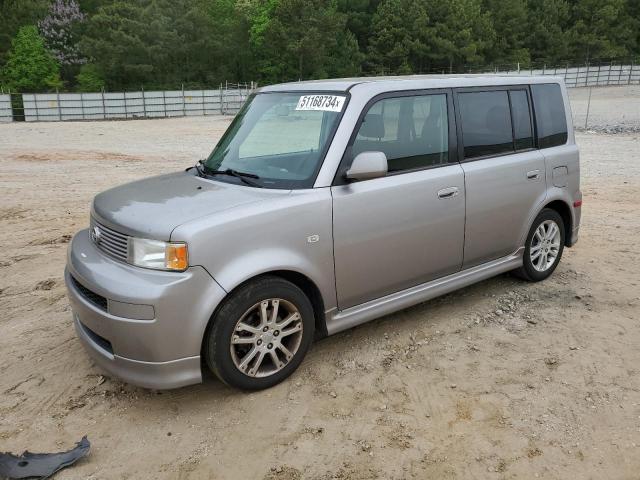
pixel 96 234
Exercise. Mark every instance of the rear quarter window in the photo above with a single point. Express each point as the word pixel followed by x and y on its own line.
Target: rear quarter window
pixel 550 115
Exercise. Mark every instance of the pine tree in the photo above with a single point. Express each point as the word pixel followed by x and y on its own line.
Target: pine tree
pixel 30 66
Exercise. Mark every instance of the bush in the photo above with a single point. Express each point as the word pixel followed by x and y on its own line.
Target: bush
pixel 89 79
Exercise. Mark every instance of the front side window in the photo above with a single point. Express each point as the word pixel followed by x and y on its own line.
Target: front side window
pixel 550 116
pixel 278 139
pixel 412 131
pixel 486 123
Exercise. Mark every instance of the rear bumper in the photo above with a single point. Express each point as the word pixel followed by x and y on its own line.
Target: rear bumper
pixel 143 326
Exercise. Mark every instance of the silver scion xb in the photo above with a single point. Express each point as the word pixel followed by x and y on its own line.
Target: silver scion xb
pixel 324 205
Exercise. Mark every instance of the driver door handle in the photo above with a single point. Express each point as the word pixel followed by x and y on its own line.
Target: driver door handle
pixel 449 192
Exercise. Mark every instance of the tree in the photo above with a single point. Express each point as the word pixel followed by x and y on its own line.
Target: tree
pixel 58 32
pixel 602 30
pixel 460 33
pixel 89 79
pixel 508 18
pixel 15 14
pixel 300 39
pixel 359 15
pixel 30 66
pixel 395 40
pixel 548 39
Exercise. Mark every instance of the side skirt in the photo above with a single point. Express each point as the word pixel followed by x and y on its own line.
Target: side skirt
pixel 339 320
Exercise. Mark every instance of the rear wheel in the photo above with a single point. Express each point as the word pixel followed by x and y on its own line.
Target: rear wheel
pixel 544 247
pixel 260 335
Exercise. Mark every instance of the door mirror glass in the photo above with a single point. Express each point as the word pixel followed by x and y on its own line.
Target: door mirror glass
pixel 368 165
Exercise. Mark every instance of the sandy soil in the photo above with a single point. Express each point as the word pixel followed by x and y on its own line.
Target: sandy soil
pixel 504 379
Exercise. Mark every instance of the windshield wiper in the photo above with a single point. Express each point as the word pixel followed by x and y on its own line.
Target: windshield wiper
pixel 243 176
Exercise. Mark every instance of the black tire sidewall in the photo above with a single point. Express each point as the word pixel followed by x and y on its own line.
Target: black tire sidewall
pixel 217 341
pixel 530 272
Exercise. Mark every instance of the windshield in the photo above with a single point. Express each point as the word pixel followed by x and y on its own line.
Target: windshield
pixel 278 138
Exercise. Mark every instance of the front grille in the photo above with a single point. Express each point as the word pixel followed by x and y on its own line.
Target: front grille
pixel 98 300
pixel 114 244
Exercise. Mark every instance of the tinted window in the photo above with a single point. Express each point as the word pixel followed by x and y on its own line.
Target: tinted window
pixel 521 119
pixel 486 123
pixel 413 132
pixel 550 117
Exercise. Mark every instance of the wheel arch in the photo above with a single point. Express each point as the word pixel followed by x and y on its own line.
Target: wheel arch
pixel 563 209
pixel 303 282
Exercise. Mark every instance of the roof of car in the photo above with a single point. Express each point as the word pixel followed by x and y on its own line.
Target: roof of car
pixel 411 82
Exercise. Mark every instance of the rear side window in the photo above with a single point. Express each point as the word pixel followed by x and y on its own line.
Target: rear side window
pixel 486 123
pixel 550 115
pixel 412 131
pixel 520 113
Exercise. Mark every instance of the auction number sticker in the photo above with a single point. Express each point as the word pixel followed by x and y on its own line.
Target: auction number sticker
pixel 326 103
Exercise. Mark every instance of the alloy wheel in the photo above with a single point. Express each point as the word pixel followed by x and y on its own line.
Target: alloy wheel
pixel 545 245
pixel 266 337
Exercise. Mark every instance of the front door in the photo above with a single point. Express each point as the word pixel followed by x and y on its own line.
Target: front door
pixel 407 228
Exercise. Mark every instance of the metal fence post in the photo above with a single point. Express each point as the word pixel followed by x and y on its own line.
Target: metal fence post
pixel 82 105
pixel 586 77
pixel 184 110
pixel 35 103
pixel 586 120
pixel 104 108
pixel 630 71
pixel 164 104
pixel 221 107
pixel 619 74
pixel 144 103
pixel 59 106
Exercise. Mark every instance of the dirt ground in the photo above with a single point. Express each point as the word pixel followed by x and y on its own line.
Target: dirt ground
pixel 501 380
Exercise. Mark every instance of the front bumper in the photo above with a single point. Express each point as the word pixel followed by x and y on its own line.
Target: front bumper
pixel 143 326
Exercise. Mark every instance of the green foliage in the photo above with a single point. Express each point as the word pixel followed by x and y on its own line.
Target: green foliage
pixel 89 79
pixel 30 66
pixel 15 14
pixel 297 39
pixel 602 29
pixel 166 43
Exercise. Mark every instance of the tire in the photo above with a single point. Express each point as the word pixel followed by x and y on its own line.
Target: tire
pixel 542 265
pixel 260 337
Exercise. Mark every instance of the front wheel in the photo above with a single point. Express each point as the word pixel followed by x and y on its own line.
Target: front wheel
pixel 544 247
pixel 260 335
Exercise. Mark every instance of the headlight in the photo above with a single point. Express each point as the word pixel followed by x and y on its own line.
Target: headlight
pixel 157 254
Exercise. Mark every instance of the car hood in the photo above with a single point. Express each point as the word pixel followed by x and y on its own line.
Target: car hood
pixel 155 206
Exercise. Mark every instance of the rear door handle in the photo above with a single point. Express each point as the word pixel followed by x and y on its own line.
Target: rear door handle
pixel 448 192
pixel 533 174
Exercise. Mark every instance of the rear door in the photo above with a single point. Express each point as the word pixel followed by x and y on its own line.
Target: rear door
pixel 504 172
pixel 407 228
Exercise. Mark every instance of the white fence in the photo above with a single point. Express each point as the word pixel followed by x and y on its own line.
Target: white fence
pixel 5 109
pixel 142 104
pixel 587 75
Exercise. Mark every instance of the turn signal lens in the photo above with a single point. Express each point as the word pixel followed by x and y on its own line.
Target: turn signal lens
pixel 176 256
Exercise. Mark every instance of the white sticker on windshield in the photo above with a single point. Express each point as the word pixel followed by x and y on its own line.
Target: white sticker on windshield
pixel 326 103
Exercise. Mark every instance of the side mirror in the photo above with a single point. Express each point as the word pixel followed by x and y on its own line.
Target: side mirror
pixel 368 165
